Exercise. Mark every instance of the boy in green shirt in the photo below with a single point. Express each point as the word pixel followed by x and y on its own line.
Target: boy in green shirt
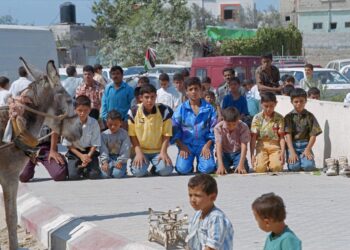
pixel 270 213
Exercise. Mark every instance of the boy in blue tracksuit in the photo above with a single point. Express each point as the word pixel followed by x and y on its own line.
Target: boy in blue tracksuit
pixel 193 124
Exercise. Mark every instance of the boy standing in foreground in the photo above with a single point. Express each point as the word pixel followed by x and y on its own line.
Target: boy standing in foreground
pixel 209 228
pixel 301 128
pixel 270 213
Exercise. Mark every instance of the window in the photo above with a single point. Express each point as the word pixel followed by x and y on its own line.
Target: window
pixel 347 24
pixel 228 14
pixel 317 26
pixel 287 18
pixel 201 73
pixel 240 73
pixel 333 26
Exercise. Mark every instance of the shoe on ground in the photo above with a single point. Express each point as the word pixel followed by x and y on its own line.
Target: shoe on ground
pixel 344 168
pixel 332 167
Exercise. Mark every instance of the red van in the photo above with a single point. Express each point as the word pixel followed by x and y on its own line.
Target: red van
pixel 212 67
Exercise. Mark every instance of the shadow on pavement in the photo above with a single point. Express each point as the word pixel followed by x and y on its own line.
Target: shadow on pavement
pixel 112 216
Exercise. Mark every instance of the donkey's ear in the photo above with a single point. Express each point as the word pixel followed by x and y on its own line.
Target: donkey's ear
pixel 52 74
pixel 35 74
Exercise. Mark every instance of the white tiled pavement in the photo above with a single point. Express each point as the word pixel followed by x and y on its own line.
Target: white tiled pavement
pixel 317 206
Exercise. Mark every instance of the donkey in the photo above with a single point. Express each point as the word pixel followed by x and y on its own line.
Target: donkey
pixel 49 100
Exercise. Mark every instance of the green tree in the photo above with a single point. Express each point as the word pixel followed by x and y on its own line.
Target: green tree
pixel 129 27
pixel 7 19
pixel 275 40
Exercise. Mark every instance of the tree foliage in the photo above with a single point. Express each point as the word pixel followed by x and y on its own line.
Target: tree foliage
pixel 272 40
pixel 129 27
pixel 7 19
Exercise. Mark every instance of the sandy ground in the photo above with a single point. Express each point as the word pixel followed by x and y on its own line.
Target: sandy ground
pixel 26 241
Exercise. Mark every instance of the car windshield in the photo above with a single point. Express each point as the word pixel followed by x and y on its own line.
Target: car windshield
pixel 342 64
pixel 135 70
pixel 330 77
pixel 168 70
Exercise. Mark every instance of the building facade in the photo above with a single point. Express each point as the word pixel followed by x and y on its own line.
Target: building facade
pixel 317 15
pixel 228 11
pixel 325 26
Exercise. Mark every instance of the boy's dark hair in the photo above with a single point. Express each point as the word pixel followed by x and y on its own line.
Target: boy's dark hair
pixel 309 66
pixel 178 77
pixel 209 93
pixel 298 92
pixel 148 89
pixel 268 97
pixel 270 206
pixel 290 79
pixel 137 91
pixel 88 68
pixel 206 182
pixel 248 81
pixel 206 79
pixel 231 114
pixel 98 67
pixel 185 72
pixel 193 81
pixel 116 68
pixel 287 90
pixel 22 72
pixel 267 56
pixel 313 91
pixel 235 79
pixel 4 81
pixel 82 100
pixel 164 77
pixel 144 79
pixel 114 115
pixel 229 69
pixel 71 70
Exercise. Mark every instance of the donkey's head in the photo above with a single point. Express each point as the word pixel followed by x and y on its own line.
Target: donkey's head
pixel 48 96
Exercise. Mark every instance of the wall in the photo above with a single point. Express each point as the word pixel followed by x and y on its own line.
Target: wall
pixel 319 48
pixel 334 120
pixel 306 20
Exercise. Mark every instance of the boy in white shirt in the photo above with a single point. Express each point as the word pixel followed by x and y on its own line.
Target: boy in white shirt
pixel 4 93
pixel 167 95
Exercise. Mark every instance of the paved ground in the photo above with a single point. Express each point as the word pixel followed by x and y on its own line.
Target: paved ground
pixel 317 206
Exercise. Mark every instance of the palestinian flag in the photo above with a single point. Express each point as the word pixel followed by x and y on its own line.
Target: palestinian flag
pixel 150 59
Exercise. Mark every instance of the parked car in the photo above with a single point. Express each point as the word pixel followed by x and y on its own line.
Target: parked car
pixel 153 78
pixel 345 71
pixel 212 67
pixel 133 70
pixel 167 68
pixel 338 64
pixel 336 82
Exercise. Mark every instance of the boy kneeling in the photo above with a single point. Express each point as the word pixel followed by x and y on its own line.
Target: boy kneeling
pixel 150 129
pixel 301 128
pixel 231 137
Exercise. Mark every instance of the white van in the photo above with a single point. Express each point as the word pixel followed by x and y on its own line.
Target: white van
pixel 35 44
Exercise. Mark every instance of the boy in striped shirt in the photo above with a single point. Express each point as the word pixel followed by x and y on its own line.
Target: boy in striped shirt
pixel 209 228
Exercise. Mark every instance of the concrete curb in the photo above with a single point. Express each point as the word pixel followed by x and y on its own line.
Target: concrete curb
pixel 60 231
